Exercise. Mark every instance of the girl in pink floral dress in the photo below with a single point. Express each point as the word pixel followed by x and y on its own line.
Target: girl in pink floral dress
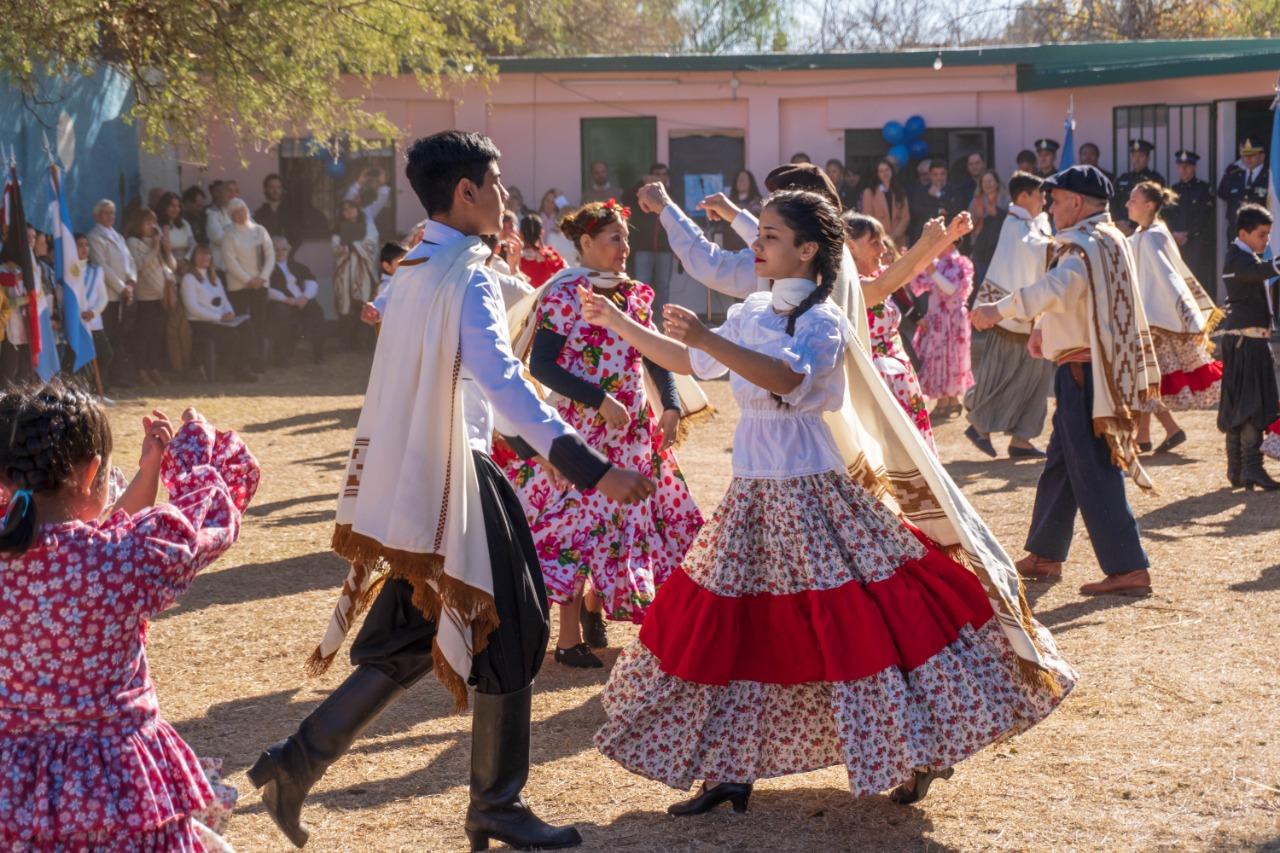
pixel 86 761
pixel 942 337
pixel 597 382
pixel 809 626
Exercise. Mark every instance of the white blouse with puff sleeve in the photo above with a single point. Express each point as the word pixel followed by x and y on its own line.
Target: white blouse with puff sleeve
pixel 789 439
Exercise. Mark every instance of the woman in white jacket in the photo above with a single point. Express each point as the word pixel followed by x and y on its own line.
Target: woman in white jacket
pixel 211 312
pixel 249 257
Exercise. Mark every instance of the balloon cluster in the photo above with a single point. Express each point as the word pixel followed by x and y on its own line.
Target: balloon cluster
pixel 905 140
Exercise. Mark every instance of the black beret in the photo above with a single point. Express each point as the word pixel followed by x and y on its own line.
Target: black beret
pixel 1186 156
pixel 1085 180
pixel 1141 145
pixel 1046 145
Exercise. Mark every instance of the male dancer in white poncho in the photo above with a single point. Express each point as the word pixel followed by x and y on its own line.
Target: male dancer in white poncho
pixel 1011 384
pixel 1093 327
pixel 440 550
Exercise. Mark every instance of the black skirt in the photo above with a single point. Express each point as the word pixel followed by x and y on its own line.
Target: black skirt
pixel 1249 393
pixel 396 636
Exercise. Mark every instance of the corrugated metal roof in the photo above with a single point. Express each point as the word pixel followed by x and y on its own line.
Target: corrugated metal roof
pixel 1049 66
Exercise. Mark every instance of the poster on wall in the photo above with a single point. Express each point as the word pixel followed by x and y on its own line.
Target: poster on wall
pixel 698 187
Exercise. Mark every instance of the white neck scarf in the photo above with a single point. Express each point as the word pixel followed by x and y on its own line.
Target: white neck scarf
pixel 788 293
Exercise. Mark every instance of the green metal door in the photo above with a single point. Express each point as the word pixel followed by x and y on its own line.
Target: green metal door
pixel 628 146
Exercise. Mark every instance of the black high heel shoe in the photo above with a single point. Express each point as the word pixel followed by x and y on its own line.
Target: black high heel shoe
pixel 578 657
pixel 737 793
pixel 918 787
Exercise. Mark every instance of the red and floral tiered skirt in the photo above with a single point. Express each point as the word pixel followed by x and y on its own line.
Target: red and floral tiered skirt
pixel 810 627
pixel 1190 379
pixel 1271 440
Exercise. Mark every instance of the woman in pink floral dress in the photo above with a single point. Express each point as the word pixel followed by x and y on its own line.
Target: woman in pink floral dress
pixel 942 337
pixel 597 382
pixel 809 626
pixel 86 761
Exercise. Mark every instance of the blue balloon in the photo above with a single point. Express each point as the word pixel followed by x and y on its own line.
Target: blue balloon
pixel 919 149
pixel 915 127
pixel 893 132
pixel 335 168
pixel 900 154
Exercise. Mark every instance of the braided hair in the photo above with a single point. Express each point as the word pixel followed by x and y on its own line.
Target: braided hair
pixel 45 434
pixel 814 219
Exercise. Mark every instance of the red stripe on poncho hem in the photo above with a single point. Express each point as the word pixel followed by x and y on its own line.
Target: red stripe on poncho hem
pixel 841 634
pixel 1202 378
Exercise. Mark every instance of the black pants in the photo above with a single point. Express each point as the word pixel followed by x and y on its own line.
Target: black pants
pixel 1079 476
pixel 118 324
pixel 288 324
pixel 15 364
pixel 253 303
pixel 396 637
pixel 150 328
pixel 217 347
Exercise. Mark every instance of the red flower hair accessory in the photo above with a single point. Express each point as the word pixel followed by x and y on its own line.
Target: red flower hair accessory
pixel 610 205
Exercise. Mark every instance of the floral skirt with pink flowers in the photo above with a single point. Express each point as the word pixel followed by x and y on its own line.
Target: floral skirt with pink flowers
pixel 810 627
pixel 626 551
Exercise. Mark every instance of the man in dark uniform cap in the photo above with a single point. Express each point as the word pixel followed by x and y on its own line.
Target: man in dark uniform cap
pixel 1139 170
pixel 1046 158
pixel 1245 182
pixel 1191 219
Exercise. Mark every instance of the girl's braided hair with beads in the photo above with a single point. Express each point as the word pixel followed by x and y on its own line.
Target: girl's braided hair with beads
pixel 46 433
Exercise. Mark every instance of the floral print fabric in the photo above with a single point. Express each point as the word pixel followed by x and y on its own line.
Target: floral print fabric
pixel 85 758
pixel 627 551
pixel 942 340
pixel 894 366
pixel 967 695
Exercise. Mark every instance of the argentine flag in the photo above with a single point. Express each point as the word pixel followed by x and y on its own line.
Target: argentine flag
pixel 1069 138
pixel 70 272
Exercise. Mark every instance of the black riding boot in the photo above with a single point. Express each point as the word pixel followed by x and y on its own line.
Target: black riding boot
pixel 288 770
pixel 1252 470
pixel 499 770
pixel 1234 459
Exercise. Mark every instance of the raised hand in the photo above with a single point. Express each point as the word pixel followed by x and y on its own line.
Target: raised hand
pixel 653 197
pixel 157 431
pixel 960 226
pixel 718 206
pixel 682 325
pixel 935 229
pixel 598 310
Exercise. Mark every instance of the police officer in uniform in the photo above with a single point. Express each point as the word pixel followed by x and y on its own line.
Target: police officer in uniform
pixel 1046 157
pixel 1139 170
pixel 1244 182
pixel 1191 219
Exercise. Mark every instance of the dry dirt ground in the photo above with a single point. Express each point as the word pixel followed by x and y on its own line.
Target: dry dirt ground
pixel 1171 740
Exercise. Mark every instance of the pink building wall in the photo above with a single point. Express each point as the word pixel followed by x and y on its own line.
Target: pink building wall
pixel 535 118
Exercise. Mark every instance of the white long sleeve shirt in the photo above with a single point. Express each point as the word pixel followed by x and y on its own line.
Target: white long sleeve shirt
pixel 1058 299
pixel 95 296
pixel 205 300
pixel 108 250
pixel 727 272
pixel 307 289
pixel 494 391
pixel 248 253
